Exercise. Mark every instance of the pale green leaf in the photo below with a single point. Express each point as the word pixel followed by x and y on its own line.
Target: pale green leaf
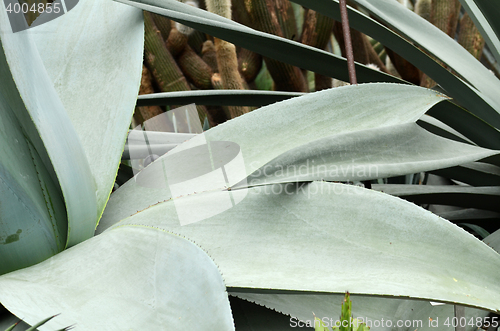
pixel 373 308
pixel 28 94
pixel 93 56
pixel 274 237
pixel 367 154
pixel 130 278
pixel 268 132
pixel 456 117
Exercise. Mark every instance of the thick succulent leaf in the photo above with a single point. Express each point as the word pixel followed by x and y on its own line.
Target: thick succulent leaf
pixel 471 126
pixel 286 125
pixel 216 98
pixel 123 203
pixel 269 45
pixel 361 155
pixel 93 57
pixel 280 127
pixel 269 237
pixel 484 14
pixel 30 96
pixel 367 154
pixel 461 196
pixel 482 100
pixel 458 118
pixel 130 278
pixel 373 308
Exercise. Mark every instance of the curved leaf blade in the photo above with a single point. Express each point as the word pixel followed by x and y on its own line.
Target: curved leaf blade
pixel 46 124
pixel 365 155
pixel 414 312
pixel 97 92
pixel 274 235
pixel 455 116
pixel 134 277
pixel 281 127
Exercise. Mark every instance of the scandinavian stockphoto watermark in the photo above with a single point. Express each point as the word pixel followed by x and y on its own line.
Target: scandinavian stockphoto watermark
pixel 371 323
pixel 416 324
pixel 339 172
pixel 308 169
pixel 47 12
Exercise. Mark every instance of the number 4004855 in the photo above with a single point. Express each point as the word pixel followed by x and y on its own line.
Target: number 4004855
pixel 35 8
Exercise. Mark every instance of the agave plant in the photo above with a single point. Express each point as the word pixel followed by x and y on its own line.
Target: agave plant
pixel 257 206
